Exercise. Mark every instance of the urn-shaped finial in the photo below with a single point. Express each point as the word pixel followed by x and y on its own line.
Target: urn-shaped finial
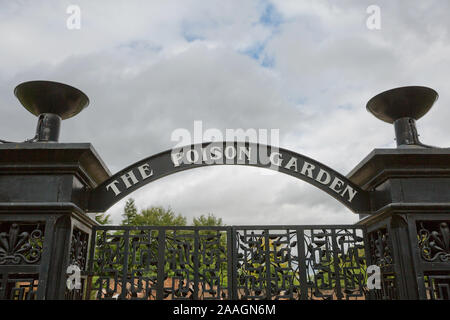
pixel 402 107
pixel 51 102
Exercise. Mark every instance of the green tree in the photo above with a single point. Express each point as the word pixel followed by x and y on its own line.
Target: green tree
pixel 103 218
pixel 208 221
pixel 129 213
pixel 158 216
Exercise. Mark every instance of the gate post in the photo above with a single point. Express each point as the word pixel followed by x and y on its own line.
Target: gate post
pixel 408 229
pixel 43 227
pixel 43 190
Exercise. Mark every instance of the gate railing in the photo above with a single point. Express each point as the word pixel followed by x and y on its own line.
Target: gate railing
pixel 231 262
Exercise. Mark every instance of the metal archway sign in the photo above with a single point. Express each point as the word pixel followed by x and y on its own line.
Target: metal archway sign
pixel 194 156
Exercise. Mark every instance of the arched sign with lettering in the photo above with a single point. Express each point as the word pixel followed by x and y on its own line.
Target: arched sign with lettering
pixel 228 153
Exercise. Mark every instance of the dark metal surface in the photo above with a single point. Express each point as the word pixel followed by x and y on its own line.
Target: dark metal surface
pixel 40 97
pixel 159 263
pixel 238 262
pixel 402 106
pixel 430 240
pixel 406 132
pixel 51 102
pixel 24 255
pixel 48 127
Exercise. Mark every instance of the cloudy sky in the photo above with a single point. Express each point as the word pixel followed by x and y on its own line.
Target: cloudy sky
pixel 304 67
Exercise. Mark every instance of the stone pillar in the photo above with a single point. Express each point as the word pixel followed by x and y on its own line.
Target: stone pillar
pixel 43 227
pixel 408 228
pixel 408 231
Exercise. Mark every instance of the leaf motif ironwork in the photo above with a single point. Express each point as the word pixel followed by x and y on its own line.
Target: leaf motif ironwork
pixel 18 247
pixel 434 242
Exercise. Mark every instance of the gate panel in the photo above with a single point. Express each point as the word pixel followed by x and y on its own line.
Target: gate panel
pixel 23 256
pixel 160 263
pixel 300 262
pixel 239 262
pixel 266 263
pixel 335 262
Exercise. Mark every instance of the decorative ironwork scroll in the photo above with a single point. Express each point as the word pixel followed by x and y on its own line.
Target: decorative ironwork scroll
pixel 78 257
pixel 197 263
pixel 160 263
pixel 291 262
pixel 380 248
pixel 434 241
pixel 79 248
pixel 107 263
pixel 336 263
pixel 20 243
pixel 267 264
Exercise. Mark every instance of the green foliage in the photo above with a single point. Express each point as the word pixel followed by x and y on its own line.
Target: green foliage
pixel 129 213
pixel 158 216
pixel 209 221
pixel 278 261
pixel 103 218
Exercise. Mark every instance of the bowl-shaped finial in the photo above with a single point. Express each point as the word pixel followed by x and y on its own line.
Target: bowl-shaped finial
pixel 51 102
pixel 402 107
pixel 404 102
pixel 40 97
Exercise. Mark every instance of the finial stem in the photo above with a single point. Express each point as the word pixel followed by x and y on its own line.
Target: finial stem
pixel 48 127
pixel 406 132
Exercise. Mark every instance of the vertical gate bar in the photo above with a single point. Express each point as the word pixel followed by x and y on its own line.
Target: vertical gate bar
pixel 415 254
pixel 92 250
pixel 337 271
pixel 367 256
pixel 395 248
pixel 234 252
pixel 90 266
pixel 268 273
pixel 230 264
pixel 196 263
pixel 160 274
pixel 87 294
pixel 49 236
pixel 3 284
pixel 126 238
pixel 302 267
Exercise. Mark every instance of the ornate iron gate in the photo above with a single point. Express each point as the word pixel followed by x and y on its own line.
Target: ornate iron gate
pixel 238 262
pixel 46 189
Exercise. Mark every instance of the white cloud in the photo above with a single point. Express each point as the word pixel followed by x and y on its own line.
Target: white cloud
pixel 150 67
